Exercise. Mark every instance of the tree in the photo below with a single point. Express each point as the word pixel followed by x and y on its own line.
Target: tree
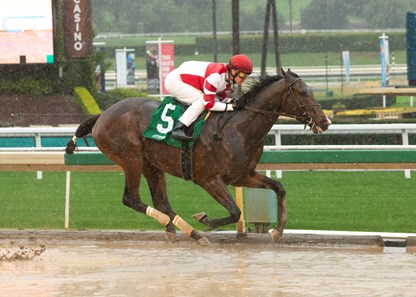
pixel 355 7
pixel 324 15
pixel 116 16
pixel 382 14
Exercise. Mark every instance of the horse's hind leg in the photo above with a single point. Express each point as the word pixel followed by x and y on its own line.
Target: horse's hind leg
pixel 157 184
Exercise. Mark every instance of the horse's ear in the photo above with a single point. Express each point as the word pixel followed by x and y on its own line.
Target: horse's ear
pixel 282 72
pixel 292 74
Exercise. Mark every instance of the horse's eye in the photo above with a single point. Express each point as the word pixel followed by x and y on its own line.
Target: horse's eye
pixel 304 93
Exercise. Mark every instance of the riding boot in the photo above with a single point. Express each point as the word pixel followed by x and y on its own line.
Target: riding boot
pixel 179 132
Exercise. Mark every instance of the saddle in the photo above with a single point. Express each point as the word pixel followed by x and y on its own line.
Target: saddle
pixel 163 121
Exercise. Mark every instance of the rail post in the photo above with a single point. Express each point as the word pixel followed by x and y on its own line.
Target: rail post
pixel 67 198
pixel 239 200
pixel 38 143
pixel 405 141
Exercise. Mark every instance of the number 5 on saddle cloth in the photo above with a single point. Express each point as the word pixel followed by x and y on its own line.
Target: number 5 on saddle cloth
pixel 164 119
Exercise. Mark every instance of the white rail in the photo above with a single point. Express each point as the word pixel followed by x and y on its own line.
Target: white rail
pixel 33 131
pixel 277 131
pixel 294 129
pixel 337 147
pixel 37 133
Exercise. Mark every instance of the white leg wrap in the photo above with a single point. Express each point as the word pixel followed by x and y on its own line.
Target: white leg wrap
pixel 182 225
pixel 159 216
pixel 74 139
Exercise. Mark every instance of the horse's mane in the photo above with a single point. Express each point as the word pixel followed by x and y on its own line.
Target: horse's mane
pixel 259 85
pixel 263 82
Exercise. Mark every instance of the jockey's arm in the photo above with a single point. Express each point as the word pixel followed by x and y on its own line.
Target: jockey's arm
pixel 211 104
pixel 212 100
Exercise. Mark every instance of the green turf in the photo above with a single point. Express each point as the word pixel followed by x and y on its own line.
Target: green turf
pixel 358 201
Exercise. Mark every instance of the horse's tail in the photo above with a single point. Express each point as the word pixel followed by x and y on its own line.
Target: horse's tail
pixel 82 130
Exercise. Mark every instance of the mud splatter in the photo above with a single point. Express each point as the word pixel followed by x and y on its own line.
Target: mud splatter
pixel 21 252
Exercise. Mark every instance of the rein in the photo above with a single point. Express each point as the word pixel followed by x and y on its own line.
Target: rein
pixel 307 120
pixel 262 111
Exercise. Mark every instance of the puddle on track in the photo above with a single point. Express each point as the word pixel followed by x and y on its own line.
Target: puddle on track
pixel 162 269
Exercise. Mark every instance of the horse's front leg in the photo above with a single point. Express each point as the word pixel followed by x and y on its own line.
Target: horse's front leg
pixel 218 190
pixel 156 180
pixel 261 181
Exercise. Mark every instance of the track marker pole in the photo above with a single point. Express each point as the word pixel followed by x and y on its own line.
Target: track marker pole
pixel 67 196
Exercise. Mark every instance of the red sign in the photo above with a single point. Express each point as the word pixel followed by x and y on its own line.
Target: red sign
pixel 77 28
pixel 166 57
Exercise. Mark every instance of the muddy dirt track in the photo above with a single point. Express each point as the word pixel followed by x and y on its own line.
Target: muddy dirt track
pixel 55 263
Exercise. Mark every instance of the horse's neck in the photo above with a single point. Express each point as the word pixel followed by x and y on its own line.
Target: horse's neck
pixel 258 125
pixel 268 104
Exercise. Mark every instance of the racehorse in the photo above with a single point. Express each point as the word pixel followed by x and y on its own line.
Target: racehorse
pixel 227 152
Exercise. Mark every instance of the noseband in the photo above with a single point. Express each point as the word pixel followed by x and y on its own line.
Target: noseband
pixel 304 118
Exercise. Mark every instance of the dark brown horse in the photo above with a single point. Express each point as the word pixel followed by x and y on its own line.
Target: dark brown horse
pixel 216 163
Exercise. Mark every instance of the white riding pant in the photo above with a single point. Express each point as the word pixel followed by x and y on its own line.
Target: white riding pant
pixel 186 94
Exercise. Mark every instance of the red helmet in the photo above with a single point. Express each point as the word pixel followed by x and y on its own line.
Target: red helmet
pixel 241 63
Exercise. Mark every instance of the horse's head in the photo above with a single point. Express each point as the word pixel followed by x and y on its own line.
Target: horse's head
pixel 300 103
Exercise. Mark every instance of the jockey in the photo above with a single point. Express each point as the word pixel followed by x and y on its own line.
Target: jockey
pixel 205 85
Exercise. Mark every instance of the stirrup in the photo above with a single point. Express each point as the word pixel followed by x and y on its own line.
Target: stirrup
pixel 181 135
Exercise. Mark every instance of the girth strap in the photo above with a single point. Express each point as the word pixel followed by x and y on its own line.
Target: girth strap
pixel 186 160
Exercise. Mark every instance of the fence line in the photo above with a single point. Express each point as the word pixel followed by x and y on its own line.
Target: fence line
pixel 277 130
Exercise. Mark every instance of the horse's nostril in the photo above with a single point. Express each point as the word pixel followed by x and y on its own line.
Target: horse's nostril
pixel 326 122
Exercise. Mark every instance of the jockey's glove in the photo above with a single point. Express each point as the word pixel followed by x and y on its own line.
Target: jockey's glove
pixel 220 106
pixel 238 103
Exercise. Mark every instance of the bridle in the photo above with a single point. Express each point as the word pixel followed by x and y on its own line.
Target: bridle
pixel 304 118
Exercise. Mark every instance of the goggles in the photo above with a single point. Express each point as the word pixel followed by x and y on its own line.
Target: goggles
pixel 241 74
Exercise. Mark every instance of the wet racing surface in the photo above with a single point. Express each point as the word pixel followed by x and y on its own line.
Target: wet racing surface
pixel 157 268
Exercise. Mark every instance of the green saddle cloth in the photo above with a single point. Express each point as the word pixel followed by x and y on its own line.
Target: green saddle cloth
pixel 164 119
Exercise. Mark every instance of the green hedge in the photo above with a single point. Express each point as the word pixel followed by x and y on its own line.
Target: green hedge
pixel 44 79
pixel 86 101
pixel 357 102
pixel 289 43
pixel 28 79
pixel 105 100
pixel 311 42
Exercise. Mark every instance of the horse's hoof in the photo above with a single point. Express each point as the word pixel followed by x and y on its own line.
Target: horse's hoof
pixel 170 236
pixel 275 234
pixel 199 216
pixel 70 147
pixel 203 241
